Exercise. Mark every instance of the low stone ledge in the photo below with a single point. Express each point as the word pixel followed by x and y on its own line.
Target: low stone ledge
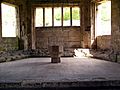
pixel 6 56
pixel 106 55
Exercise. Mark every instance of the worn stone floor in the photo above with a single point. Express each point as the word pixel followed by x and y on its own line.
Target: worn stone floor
pixel 69 70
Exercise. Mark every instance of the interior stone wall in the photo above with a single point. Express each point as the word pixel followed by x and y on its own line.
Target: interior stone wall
pixel 116 25
pixel 25 25
pixel 84 30
pixel 78 37
pixel 17 42
pixel 104 42
pixel 67 38
pixel 85 23
pixel 9 44
pixel 114 55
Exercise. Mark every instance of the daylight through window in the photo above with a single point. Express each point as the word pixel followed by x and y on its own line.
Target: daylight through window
pixel 104 19
pixel 39 17
pixel 75 16
pixel 57 16
pixel 48 16
pixel 66 16
pixel 8 20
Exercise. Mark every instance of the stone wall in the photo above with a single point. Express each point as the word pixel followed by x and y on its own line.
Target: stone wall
pixel 17 42
pixel 85 23
pixel 25 26
pixel 116 25
pixel 67 38
pixel 9 44
pixel 115 37
pixel 104 42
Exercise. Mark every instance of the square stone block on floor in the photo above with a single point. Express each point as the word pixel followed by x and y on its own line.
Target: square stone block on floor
pixel 55 54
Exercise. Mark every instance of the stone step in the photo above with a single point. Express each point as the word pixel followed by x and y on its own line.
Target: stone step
pixel 79 85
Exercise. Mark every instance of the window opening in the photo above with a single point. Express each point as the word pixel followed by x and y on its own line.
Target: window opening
pixel 104 19
pixel 66 16
pixel 48 16
pixel 9 20
pixel 75 16
pixel 57 16
pixel 39 17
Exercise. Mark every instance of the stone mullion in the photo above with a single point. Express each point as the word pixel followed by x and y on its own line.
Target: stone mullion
pixel 43 17
pixel 62 16
pixel 33 29
pixel 93 21
pixel 52 16
pixel 70 16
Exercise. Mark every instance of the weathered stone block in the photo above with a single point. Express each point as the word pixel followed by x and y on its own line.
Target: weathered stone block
pixel 74 39
pixel 55 54
pixel 104 42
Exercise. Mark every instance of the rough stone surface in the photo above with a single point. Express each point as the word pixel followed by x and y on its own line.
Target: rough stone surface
pixel 72 35
pixel 104 42
pixel 6 56
pixel 108 55
pixel 116 25
pixel 9 44
pixel 21 41
pixel 66 39
pixel 55 54
pixel 13 55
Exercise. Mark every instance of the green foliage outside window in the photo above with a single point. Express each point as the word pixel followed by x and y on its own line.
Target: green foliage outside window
pixel 75 14
pixel 58 16
pixel 104 12
pixel 66 15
